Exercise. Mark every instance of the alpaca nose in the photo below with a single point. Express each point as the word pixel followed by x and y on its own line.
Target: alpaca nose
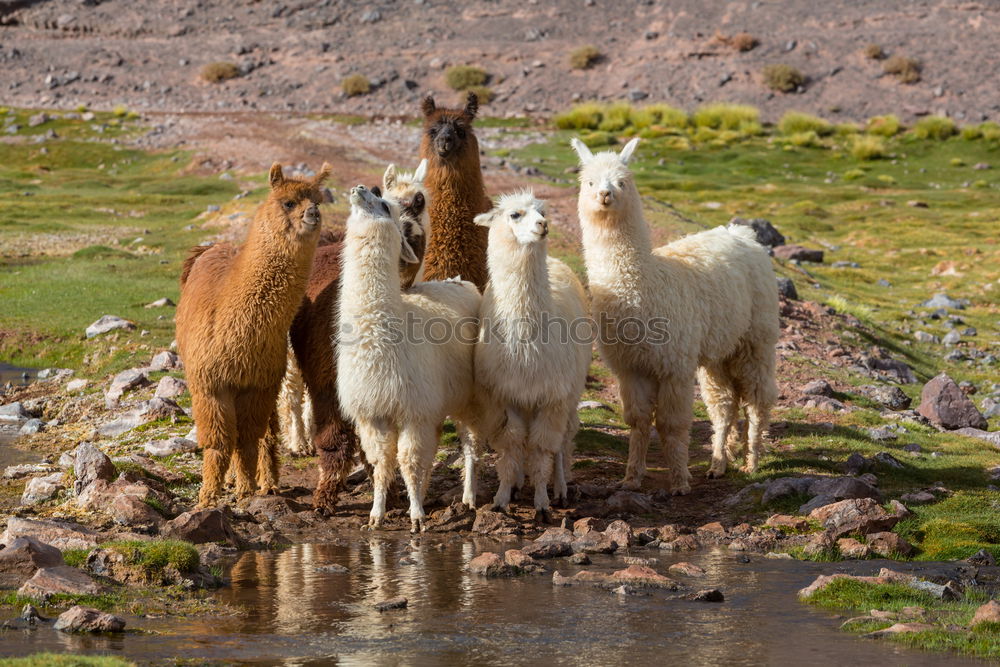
pixel 543 228
pixel 311 216
pixel 605 197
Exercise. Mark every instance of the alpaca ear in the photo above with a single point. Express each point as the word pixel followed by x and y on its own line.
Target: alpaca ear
pixel 471 105
pixel 626 153
pixel 581 150
pixel 324 173
pixel 389 177
pixel 276 177
pixel 485 219
pixel 406 252
pixel 421 173
pixel 428 105
pixel 375 190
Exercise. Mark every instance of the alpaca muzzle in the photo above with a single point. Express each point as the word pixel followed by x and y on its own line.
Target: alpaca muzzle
pixel 311 217
pixel 605 197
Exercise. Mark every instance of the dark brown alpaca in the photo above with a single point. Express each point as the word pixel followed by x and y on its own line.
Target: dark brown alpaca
pixel 312 336
pixel 457 246
pixel 232 326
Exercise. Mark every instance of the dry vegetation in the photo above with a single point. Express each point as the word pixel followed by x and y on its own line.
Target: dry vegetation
pixel 584 57
pixel 906 70
pixel 356 84
pixel 219 72
pixel 783 78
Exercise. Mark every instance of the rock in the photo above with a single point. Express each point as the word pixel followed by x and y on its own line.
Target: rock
pixel 90 465
pixel 331 568
pixel 170 387
pixel 59 534
pixel 830 489
pixel 887 396
pixel 887 460
pixel 147 411
pixel 521 563
pixel 21 557
pixel 592 405
pixel 817 388
pixel 489 522
pixel 851 548
pixel 129 510
pixel 133 378
pixel 919 497
pixel 798 253
pixel 543 550
pixel 924 337
pixel 685 568
pixel 882 434
pixel 580 559
pixel 629 502
pixel 31 427
pixel 988 613
pixel 399 602
pixel 952 337
pixel 942 300
pixel 945 405
pixel 889 545
pixel 49 581
pixel 818 544
pixel 767 235
pixel 455 517
pixel 900 370
pixel 77 384
pixel 784 487
pixel 620 533
pixel 992 437
pixel 824 403
pixel 708 595
pixel 86 619
pixel 711 531
pixel 900 628
pixel 587 525
pixel 201 526
pixel 643 576
pixel 795 523
pixel 160 303
pixel 165 361
pixel 26 469
pixel 42 489
pixel 786 288
pixel 38 118
pixel 854 515
pixel 854 464
pixel 594 542
pixel 489 564
pixel 681 543
pixel 14 412
pixel 170 446
pixel 108 323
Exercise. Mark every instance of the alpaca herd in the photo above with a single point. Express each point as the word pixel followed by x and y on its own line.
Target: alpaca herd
pixel 436 304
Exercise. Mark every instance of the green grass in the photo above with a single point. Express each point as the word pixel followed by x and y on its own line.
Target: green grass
pixel 795 122
pixel 956 527
pixel 950 618
pixel 75 557
pixel 65 660
pixel 154 555
pixel 935 127
pixel 463 77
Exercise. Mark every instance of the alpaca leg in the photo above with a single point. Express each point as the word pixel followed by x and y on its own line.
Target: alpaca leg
pixel 736 444
pixel 638 395
pixel 470 446
pixel 308 423
pixel 545 439
pixel 754 371
pixel 378 440
pixel 253 413
pixel 416 456
pixel 508 441
pixel 336 442
pixel 267 459
pixel 564 458
pixel 215 417
pixel 290 408
pixel 722 404
pixel 673 421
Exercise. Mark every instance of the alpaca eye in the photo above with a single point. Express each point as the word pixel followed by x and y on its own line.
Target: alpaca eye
pixel 590 184
pixel 515 215
pixel 289 205
pixel 621 184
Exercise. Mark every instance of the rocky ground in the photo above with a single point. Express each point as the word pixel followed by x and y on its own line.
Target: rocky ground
pixel 148 54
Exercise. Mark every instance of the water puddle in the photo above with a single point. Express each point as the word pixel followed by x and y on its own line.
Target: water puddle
pixel 16 375
pixel 300 614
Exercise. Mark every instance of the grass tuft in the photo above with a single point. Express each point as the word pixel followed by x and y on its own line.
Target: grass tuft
pixel 65 660
pixel 463 77
pixel 723 116
pixel 355 85
pixel 934 127
pixel 884 126
pixel 154 555
pixel 584 57
pixel 874 52
pixel 782 78
pixel 906 70
pixel 795 122
pixel 868 147
pixel 219 72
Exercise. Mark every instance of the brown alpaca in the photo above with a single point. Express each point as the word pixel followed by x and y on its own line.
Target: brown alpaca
pixel 457 246
pixel 313 334
pixel 232 326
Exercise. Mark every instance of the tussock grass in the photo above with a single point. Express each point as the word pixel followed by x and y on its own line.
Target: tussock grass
pixel 874 52
pixel 906 70
pixel 483 93
pixel 662 119
pixel 743 41
pixel 154 555
pixel 956 527
pixel 782 78
pixel 65 660
pixel 356 84
pixel 868 147
pixel 463 77
pixel 934 127
pixel 723 116
pixel 584 57
pixel 795 122
pixel 219 72
pixel 884 126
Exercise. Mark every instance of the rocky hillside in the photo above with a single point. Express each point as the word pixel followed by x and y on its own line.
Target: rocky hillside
pixel 149 54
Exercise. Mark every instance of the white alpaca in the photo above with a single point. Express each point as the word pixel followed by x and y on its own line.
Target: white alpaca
pixel 706 303
pixel 404 359
pixel 533 351
pixel 295 413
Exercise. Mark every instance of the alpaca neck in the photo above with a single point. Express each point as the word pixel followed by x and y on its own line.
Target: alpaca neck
pixel 519 276
pixel 370 275
pixel 616 246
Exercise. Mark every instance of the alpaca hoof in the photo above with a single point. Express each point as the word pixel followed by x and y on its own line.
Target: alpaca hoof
pixel 631 484
pixel 418 526
pixel 681 490
pixel 500 508
pixel 716 472
pixel 373 524
pixel 748 469
pixel 543 516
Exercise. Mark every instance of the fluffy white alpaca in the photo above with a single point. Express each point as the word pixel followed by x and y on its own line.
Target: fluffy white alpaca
pixel 404 359
pixel 533 351
pixel 705 303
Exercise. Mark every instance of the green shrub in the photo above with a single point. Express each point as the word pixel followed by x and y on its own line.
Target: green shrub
pixel 868 147
pixel 483 93
pixel 586 116
pixel 874 52
pixel 723 116
pixel 990 130
pixel 934 127
pixel 598 139
pixel 783 78
pixel 120 111
pixel 356 84
pixel 463 77
pixel 584 57
pixel 219 72
pixel 907 70
pixel 854 174
pixel 795 122
pixel 667 116
pixel 616 117
pixel 805 139
pixel 155 555
pixel 884 126
pixel 846 129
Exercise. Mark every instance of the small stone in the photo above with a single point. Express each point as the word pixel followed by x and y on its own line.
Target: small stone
pixel 889 545
pixel 689 569
pixel 31 427
pixel 988 613
pixel 708 595
pixel 108 323
pixel 942 300
pixel 160 303
pixel 882 434
pixel 86 619
pixel 42 489
pixel 580 559
pixel 798 253
pixel 201 526
pixel 91 464
pixel 399 602
pixel 77 384
pixel 170 387
pixel 767 234
pixel 14 412
pixel 165 361
pixel 817 388
pixel 49 581
pixel 489 564
pixel 795 523
pixel 786 288
pixel 901 628
pixel 170 447
pixel 133 378
pixel 851 548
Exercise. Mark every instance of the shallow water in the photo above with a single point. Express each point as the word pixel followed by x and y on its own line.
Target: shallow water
pixel 301 616
pixel 16 375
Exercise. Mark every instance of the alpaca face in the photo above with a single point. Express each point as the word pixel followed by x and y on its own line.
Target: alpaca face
pixel 449 130
pixel 520 215
pixel 369 211
pixel 296 202
pixel 407 197
pixel 605 179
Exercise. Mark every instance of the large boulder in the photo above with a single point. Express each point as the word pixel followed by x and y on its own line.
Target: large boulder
pixel 86 619
pixel 947 406
pixel 60 534
pixel 59 579
pixel 22 557
pixel 42 489
pixel 90 465
pixel 129 510
pixel 201 526
pixel 14 412
pixel 855 515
